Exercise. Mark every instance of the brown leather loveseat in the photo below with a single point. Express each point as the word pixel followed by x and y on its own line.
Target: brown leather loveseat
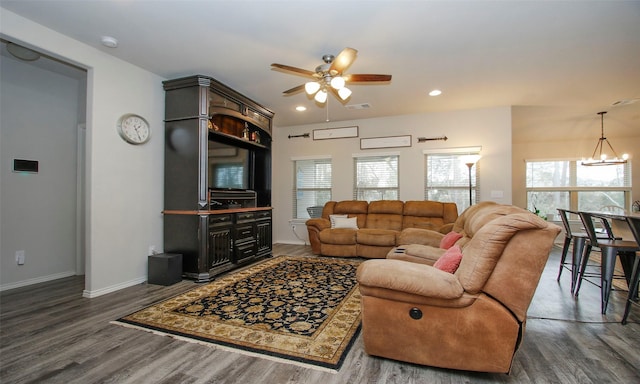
pixel 372 229
pixel 469 318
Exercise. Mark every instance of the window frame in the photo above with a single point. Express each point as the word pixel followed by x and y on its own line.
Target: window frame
pixel 384 191
pixel 475 175
pixel 296 189
pixel 572 187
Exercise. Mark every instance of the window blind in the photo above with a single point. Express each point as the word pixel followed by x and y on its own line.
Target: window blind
pixel 312 185
pixel 376 178
pixel 447 178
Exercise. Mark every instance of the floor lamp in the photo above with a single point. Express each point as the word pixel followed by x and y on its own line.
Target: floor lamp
pixel 470 160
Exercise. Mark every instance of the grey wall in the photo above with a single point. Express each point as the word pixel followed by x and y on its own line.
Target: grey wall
pixel 39 115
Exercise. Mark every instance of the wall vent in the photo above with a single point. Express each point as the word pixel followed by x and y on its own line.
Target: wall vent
pixel 358 106
pixel 624 102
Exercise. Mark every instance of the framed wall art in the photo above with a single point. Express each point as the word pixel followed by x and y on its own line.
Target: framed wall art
pixel 385 142
pixel 335 133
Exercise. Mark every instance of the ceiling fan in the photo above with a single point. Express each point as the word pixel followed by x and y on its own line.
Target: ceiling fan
pixel 330 76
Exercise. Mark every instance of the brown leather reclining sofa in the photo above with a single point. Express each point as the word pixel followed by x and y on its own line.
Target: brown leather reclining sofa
pixel 381 225
pixel 471 319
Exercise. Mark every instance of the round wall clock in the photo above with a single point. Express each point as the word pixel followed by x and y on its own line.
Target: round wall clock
pixel 134 129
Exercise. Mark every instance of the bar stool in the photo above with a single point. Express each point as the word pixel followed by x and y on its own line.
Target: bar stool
pixel 632 297
pixel 579 240
pixel 609 248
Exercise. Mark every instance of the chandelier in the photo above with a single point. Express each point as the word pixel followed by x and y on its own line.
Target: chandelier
pixel 602 158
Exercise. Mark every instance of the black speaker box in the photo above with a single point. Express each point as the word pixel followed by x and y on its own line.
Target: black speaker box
pixel 165 268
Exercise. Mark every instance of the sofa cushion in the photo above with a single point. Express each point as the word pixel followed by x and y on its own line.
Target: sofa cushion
pixel 488 244
pixel 353 208
pixel 458 225
pixel 450 261
pixel 380 237
pixel 450 239
pixel 343 236
pixel 385 214
pixel 345 222
pixel 427 214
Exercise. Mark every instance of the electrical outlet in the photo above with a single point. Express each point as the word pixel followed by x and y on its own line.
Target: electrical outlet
pixel 20 257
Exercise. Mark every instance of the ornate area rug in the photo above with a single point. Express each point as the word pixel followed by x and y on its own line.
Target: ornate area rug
pixel 303 310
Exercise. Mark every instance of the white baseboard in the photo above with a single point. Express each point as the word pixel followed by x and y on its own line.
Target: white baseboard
pixel 296 242
pixel 103 291
pixel 36 280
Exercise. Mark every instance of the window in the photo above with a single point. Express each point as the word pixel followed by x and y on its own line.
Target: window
pixel 312 185
pixel 447 177
pixel 376 178
pixel 567 184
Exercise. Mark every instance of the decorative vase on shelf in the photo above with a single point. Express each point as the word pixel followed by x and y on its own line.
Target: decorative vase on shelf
pixel 245 132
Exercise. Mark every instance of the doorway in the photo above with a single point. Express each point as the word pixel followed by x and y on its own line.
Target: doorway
pixel 43 213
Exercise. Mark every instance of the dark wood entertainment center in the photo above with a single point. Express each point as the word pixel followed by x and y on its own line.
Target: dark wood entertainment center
pixel 217 188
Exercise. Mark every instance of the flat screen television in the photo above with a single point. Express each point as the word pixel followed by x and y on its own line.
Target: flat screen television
pixel 229 166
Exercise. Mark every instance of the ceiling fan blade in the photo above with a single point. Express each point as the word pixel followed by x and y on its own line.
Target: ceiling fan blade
pixel 342 61
pixel 300 71
pixel 355 78
pixel 294 90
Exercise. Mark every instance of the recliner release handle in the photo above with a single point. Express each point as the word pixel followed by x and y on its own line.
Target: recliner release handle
pixel 415 313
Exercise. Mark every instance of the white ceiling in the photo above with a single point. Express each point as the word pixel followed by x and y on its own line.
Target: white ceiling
pixel 560 59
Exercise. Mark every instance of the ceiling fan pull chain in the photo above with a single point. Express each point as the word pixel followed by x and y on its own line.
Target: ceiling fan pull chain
pixel 327 110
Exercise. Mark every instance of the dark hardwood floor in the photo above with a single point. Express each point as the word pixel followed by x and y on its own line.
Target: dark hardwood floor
pixel 50 334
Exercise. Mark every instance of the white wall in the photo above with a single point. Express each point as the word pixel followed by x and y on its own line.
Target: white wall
pixel 124 183
pixel 488 128
pixel 38 121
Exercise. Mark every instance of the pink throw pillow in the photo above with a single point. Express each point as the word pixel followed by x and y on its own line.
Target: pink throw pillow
pixel 450 261
pixel 449 239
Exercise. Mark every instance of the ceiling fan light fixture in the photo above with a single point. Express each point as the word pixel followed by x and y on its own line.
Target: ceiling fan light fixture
pixel 330 76
pixel 344 93
pixel 311 87
pixel 321 96
pixel 337 83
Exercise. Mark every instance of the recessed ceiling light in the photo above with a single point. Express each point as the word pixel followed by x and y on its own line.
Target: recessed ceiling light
pixel 109 41
pixel 301 108
pixel 435 92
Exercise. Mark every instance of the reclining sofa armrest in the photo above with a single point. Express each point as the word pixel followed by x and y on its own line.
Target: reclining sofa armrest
pixel 446 228
pixel 318 223
pixel 420 236
pixel 314 227
pixel 411 278
pixel 417 253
